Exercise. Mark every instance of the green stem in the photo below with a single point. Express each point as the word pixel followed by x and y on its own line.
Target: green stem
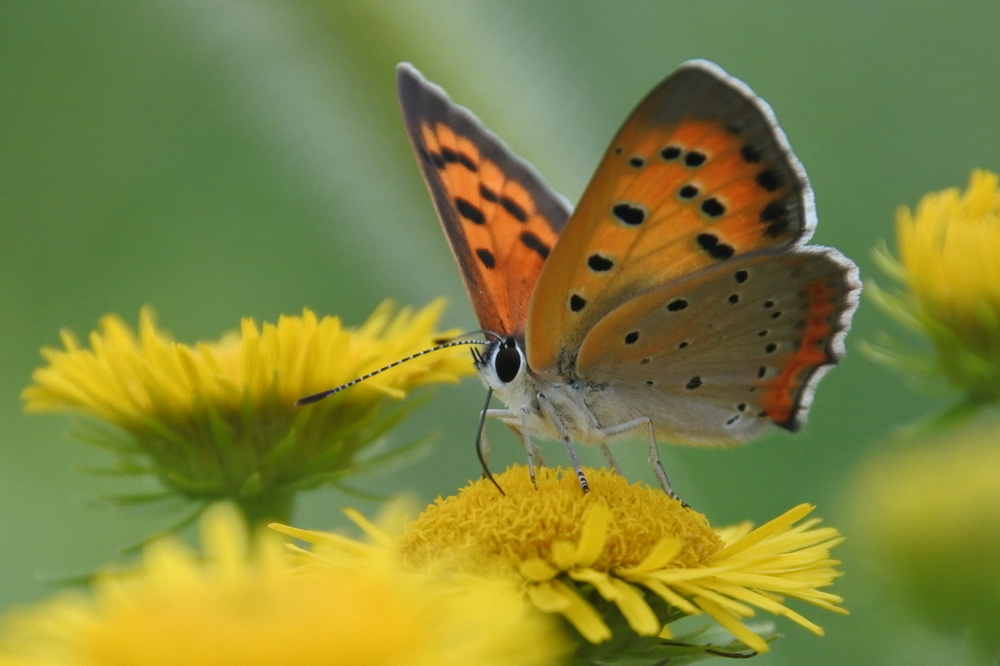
pixel 272 506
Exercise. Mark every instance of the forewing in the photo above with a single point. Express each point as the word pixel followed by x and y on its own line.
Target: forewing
pixel 500 218
pixel 699 174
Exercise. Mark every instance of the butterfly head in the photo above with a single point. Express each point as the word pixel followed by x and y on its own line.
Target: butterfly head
pixel 502 363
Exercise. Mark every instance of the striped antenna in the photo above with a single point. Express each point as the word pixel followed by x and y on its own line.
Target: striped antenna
pixel 316 397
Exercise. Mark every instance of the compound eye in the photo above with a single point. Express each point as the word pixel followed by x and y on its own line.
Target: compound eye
pixel 507 362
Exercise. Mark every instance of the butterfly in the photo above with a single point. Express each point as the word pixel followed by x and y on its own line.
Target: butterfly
pixel 679 301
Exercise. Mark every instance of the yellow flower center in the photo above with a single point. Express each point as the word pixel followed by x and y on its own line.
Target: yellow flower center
pixel 491 532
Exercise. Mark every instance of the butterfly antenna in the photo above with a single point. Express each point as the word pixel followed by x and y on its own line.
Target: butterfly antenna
pixel 481 331
pixel 316 397
pixel 479 443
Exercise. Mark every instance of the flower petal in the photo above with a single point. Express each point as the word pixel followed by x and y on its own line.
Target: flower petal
pixel 557 597
pixel 593 534
pixel 734 626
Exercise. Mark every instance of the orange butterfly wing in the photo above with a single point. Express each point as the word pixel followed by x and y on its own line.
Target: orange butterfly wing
pixel 716 357
pixel 698 174
pixel 680 291
pixel 500 218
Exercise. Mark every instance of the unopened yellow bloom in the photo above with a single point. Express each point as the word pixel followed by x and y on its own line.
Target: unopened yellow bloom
pixel 217 419
pixel 950 249
pixel 949 260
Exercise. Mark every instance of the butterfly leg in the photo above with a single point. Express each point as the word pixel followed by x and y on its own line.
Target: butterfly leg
pixel 654 460
pixel 610 459
pixel 529 446
pixel 654 453
pixel 550 413
pixel 533 454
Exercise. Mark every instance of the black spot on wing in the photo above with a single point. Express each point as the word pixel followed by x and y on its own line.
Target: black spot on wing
pixel 694 158
pixel 514 209
pixel 688 191
pixel 677 305
pixel 776 218
pixel 715 248
pixel 712 207
pixel 769 180
pixel 432 158
pixel 533 242
pixel 577 302
pixel 670 153
pixel 454 157
pixel 469 211
pixel 486 258
pixel 629 214
pixel 599 263
pixel 488 194
pixel 467 162
pixel 750 154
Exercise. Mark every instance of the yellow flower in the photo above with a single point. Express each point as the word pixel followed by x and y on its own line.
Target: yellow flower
pixel 247 602
pixel 929 518
pixel 621 559
pixel 948 251
pixel 217 420
pixel 949 248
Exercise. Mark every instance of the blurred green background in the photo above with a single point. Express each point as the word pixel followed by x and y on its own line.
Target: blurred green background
pixel 225 159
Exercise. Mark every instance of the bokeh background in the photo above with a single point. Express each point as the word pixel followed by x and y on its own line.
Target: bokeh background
pixel 237 158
